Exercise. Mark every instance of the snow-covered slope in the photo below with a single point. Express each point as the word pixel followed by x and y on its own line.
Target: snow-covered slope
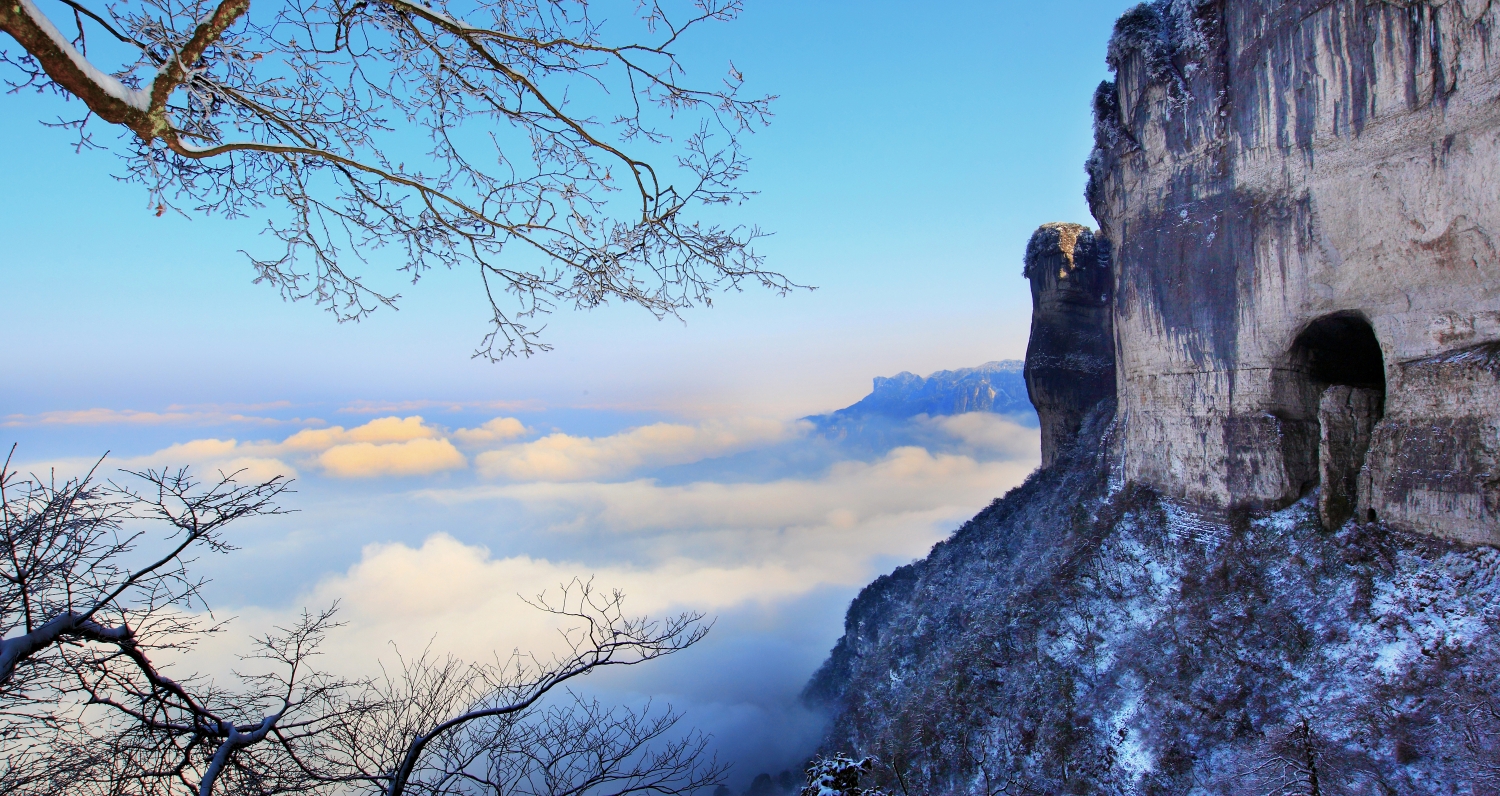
pixel 1081 637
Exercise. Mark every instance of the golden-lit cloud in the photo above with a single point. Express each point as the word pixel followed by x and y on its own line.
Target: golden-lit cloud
pixel 500 429
pixel 387 446
pixel 413 457
pixel 378 431
pixel 564 457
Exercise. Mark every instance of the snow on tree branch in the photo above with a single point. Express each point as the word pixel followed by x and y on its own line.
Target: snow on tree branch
pixel 511 137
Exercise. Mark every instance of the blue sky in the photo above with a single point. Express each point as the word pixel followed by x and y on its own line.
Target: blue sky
pixel 912 154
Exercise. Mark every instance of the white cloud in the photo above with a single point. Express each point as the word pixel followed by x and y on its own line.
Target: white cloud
pixel 706 546
pixel 728 549
pixel 500 429
pixel 174 415
pixel 842 515
pixel 991 434
pixel 210 456
pixel 563 457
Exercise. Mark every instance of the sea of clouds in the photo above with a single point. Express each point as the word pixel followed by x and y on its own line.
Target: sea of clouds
pixel 428 530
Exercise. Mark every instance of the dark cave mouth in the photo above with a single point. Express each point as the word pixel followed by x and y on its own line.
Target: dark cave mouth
pixel 1341 367
pixel 1340 349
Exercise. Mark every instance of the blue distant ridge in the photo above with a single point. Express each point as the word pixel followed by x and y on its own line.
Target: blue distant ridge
pixel 997 387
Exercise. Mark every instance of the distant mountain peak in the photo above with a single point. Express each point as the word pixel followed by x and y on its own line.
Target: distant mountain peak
pixel 996 387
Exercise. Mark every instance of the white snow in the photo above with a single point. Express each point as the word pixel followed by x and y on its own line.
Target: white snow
pixel 139 100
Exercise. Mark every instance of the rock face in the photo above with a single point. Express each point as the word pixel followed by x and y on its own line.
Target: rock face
pixel 1300 194
pixel 1301 203
pixel 1083 637
pixel 1346 416
pixel 1070 359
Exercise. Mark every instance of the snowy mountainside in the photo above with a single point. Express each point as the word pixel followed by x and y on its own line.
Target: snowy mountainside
pixel 1080 637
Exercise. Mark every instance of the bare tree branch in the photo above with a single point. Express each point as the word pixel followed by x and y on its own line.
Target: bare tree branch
pixel 87 708
pixel 591 155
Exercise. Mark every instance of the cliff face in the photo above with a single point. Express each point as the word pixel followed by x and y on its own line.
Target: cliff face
pixel 1082 636
pixel 1070 358
pixel 1249 568
pixel 1266 166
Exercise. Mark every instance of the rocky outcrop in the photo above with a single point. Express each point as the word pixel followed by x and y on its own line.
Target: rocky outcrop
pixel 1252 572
pixel 1070 359
pixel 1267 166
pixel 1346 417
pixel 1083 637
pixel 898 409
pixel 1435 466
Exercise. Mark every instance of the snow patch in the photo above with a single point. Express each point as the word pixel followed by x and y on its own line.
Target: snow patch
pixel 111 85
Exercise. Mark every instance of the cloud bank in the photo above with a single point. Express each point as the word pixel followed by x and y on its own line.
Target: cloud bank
pixel 766 522
pixel 563 457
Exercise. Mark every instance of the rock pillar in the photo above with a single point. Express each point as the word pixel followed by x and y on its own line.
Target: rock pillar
pixel 1346 419
pixel 1070 359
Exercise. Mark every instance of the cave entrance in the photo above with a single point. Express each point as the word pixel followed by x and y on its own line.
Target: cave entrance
pixel 1341 370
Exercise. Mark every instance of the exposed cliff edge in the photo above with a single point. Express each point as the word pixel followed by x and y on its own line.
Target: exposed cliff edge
pixel 887 417
pixel 1070 358
pixel 992 387
pixel 1263 562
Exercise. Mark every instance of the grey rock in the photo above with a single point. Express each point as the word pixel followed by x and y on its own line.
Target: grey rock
pixel 1284 180
pixel 1346 416
pixel 1266 562
pixel 1070 357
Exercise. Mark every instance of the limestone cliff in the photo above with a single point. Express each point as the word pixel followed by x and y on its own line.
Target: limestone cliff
pixel 1290 180
pixel 1070 358
pixel 1264 563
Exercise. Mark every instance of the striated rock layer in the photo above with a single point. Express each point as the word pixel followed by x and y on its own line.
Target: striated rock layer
pixel 1301 193
pixel 1070 358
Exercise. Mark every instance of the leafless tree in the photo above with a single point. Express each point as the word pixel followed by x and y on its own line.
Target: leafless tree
pixel 1290 763
pixel 447 727
pixel 839 775
pixel 72 569
pixel 448 131
pixel 86 706
pixel 90 597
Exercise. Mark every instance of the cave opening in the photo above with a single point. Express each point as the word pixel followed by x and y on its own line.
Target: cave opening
pixel 1340 349
pixel 1340 367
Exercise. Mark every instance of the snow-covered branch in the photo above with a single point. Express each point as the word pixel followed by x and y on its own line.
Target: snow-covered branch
pixel 539 132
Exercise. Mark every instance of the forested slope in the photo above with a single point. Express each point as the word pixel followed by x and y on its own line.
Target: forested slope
pixel 1080 637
